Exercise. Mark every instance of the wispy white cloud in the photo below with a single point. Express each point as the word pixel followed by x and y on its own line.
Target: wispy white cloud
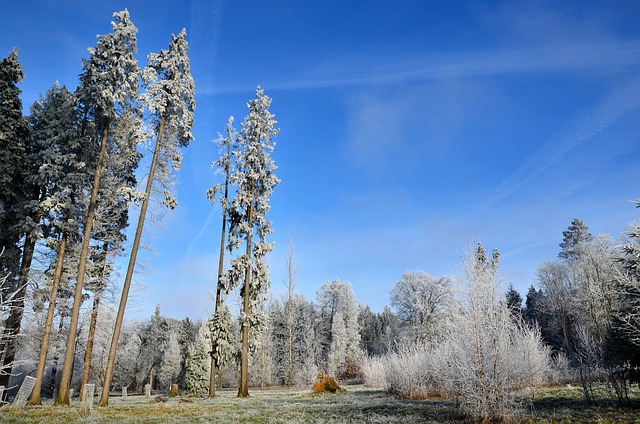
pixel 584 128
pixel 361 71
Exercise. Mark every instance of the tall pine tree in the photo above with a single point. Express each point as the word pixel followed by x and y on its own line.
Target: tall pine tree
pixel 108 88
pixel 169 98
pixel 255 180
pixel 14 134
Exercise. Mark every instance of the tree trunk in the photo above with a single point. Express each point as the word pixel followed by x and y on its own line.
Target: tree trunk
pixel 86 370
pixel 54 361
pixel 243 390
pixel 65 381
pixel 12 325
pixel 290 285
pixel 214 343
pixel 111 360
pixel 92 332
pixel 44 345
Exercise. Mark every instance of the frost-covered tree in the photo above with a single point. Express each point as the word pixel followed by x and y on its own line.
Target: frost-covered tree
pixel 108 86
pixel 197 372
pixel 7 302
pixel 171 361
pixel 222 342
pixel 255 180
pixel 61 170
pixel 421 303
pixel 486 355
pixel 292 272
pixel 169 97
pixel 117 189
pixel 221 326
pixel 629 280
pixel 339 330
pixel 577 233
pixel 378 331
pixel 14 137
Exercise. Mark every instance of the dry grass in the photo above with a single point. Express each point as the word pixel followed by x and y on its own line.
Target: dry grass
pixel 358 404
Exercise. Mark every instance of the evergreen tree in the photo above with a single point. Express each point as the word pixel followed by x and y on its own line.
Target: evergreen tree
pixel 108 85
pixel 170 366
pixel 577 233
pixel 339 329
pixel 222 341
pixel 197 372
pixel 14 136
pixel 61 170
pixel 169 98
pixel 514 301
pixel 255 180
pixel 224 163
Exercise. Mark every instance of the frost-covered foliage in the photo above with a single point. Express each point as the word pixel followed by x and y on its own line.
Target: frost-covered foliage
pixel 482 357
pixel 108 89
pixel 339 321
pixel 171 362
pixel 254 179
pixel 580 296
pixel 629 280
pixel 110 77
pixel 7 302
pixel 199 363
pixel 220 328
pixel 422 303
pixel 224 164
pixel 61 168
pixel 13 137
pixel 169 97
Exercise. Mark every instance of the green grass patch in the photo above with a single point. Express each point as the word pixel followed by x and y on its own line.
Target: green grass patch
pixel 357 404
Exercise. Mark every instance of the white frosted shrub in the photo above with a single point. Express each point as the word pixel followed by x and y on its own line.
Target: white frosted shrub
pixel 373 369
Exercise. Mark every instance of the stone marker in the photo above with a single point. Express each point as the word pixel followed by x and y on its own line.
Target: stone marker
pixel 147 390
pixel 87 395
pixel 25 391
pixel 124 392
pixel 71 393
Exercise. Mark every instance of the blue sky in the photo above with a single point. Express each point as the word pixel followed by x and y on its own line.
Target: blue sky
pixel 408 128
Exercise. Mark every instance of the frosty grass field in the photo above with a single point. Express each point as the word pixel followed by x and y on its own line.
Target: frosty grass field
pixel 562 404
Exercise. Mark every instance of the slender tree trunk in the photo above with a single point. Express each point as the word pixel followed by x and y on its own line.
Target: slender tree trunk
pixel 44 345
pixel 290 285
pixel 86 370
pixel 214 344
pixel 65 382
pixel 262 359
pixel 12 325
pixel 243 390
pixel 111 360
pixel 54 361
